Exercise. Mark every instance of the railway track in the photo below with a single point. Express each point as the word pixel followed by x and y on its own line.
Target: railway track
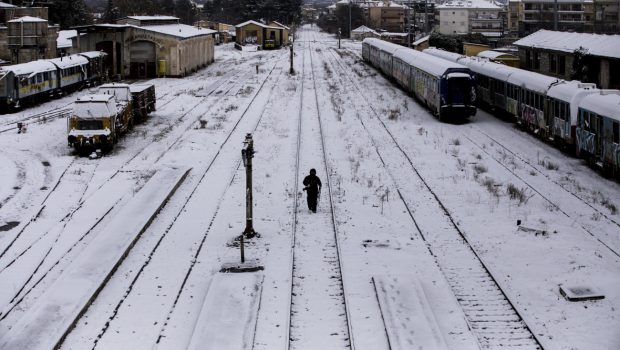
pixel 318 288
pixel 491 315
pixel 183 207
pixel 552 183
pixel 23 291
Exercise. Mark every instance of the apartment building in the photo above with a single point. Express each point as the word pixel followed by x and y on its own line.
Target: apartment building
pixel 471 16
pixel 588 16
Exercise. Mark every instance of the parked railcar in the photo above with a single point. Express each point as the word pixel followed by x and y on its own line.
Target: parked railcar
pixel 446 88
pixel 97 70
pixel 26 83
pixel 562 110
pixel 32 82
pixel 598 130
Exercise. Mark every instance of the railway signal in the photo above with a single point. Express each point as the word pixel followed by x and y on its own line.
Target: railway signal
pixel 247 153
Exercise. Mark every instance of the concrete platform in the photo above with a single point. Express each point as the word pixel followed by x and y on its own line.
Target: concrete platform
pixel 228 316
pixel 55 314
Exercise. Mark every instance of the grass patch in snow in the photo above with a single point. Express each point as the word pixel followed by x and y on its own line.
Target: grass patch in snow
pixel 519 194
pixel 491 186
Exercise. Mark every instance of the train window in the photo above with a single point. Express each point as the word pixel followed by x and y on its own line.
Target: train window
pixel 616 131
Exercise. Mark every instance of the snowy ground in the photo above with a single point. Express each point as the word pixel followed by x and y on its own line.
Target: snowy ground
pixel 415 243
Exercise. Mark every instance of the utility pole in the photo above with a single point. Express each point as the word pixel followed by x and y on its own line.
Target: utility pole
pixel 350 19
pixel 247 153
pixel 292 70
pixel 339 35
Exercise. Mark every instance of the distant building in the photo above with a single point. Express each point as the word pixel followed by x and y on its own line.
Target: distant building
pixel 389 16
pixel 422 43
pixel 65 42
pixel 553 53
pixel 225 32
pixel 471 16
pixel 363 32
pixel 500 57
pixel 590 16
pixel 274 35
pixel 149 46
pixel 473 49
pixel 396 38
pixel 25 34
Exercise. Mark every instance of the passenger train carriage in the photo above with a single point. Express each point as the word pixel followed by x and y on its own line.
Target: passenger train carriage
pixel 598 130
pixel 445 87
pixel 31 82
pixel 573 115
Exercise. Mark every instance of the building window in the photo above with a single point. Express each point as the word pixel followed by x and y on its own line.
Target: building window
pixel 552 63
pixel 562 64
pixel 616 131
pixel 536 60
pixel 528 59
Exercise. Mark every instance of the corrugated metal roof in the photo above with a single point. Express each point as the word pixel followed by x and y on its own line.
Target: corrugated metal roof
pixel 595 44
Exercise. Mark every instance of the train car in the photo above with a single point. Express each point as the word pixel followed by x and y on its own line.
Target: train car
pixel 93 123
pixel 446 88
pixel 96 71
pixel 381 53
pixel 26 83
pixel 598 130
pixel 72 71
pixel 562 110
pixel 532 92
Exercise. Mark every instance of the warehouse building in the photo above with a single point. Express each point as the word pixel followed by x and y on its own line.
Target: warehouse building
pixel 149 46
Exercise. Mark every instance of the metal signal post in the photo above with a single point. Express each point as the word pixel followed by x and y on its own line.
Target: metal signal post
pixel 247 153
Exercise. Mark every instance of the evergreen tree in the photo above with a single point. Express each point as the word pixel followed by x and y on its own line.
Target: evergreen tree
pixel 186 11
pixel 69 13
pixel 111 13
pixel 167 7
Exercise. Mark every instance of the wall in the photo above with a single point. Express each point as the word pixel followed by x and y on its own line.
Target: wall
pixel 453 21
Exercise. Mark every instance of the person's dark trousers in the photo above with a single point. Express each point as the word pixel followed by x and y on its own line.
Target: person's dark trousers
pixel 312 201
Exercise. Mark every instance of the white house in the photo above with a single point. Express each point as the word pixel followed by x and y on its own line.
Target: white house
pixel 470 16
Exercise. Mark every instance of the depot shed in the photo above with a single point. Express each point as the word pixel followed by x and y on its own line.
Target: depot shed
pixel 149 46
pixel 274 35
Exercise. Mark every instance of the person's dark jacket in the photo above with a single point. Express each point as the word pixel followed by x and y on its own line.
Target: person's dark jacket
pixel 312 183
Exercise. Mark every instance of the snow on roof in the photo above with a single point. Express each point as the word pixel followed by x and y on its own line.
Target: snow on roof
pixel 572 92
pixel 64 38
pixel 95 98
pixel 493 54
pixel 255 23
pixel 27 19
pixel 30 67
pixel 280 24
pixel 5 5
pixel 446 55
pixel 421 40
pixel 93 54
pixel 178 30
pixel 69 61
pixel 152 18
pixel 596 44
pixel 474 4
pixel 606 103
pixel 532 81
pixel 428 63
pixel 394 34
pixel 363 29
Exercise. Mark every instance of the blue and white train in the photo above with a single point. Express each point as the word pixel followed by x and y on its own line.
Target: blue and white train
pixel 28 83
pixel 445 87
pixel 575 116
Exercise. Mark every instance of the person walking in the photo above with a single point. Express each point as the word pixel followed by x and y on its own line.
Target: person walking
pixel 312 187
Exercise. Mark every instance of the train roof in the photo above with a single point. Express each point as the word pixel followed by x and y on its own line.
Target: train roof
pixel 114 86
pixel 382 44
pixel 69 61
pixel 568 90
pixel 93 54
pixel 30 68
pixel 532 81
pixel 606 103
pixel 446 55
pixel 95 98
pixel 430 64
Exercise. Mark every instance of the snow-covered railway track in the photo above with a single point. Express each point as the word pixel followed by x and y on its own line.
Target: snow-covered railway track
pixel 41 268
pixel 550 183
pixel 183 203
pixel 491 315
pixel 318 286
